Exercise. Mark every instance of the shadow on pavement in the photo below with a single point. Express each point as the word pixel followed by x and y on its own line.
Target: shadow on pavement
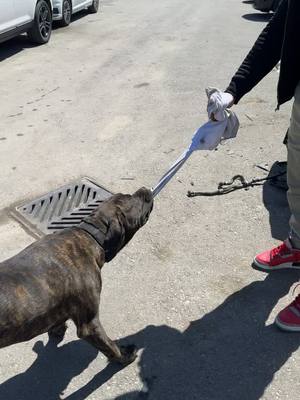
pixel 75 17
pixel 50 373
pixel 275 201
pixel 79 15
pixel 224 355
pixel 258 17
pixel 14 46
pixel 228 354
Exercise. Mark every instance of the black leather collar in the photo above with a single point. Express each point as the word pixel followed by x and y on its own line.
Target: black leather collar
pixel 93 231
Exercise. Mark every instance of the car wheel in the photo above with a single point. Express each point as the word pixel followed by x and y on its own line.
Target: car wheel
pixel 66 13
pixel 94 7
pixel 42 26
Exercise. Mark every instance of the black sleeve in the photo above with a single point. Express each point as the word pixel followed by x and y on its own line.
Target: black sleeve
pixel 263 56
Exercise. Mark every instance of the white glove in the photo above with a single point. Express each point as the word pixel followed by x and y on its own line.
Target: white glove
pixel 217 103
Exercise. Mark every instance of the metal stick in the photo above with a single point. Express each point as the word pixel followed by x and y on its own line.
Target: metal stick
pixel 170 173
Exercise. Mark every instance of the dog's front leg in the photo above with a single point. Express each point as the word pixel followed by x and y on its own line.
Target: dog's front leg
pixel 94 333
pixel 58 331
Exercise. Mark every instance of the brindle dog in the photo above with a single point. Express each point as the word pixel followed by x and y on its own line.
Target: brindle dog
pixel 59 277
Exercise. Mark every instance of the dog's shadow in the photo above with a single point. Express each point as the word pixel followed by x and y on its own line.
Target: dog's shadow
pixel 227 354
pixel 52 371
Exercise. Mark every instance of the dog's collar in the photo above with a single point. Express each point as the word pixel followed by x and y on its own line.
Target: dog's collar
pixel 93 231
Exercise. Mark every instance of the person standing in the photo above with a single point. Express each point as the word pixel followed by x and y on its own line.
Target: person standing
pixel 277 42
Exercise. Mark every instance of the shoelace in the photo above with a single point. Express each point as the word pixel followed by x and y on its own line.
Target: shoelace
pixel 281 249
pixel 296 302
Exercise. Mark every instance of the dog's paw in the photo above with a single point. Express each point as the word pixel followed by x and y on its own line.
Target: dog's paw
pixel 129 354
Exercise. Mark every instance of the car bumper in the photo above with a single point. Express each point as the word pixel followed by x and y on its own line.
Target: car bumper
pixel 57 10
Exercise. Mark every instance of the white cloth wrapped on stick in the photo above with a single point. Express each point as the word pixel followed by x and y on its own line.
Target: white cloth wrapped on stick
pixel 207 137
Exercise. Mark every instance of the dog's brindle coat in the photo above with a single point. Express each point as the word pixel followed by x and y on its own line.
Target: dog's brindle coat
pixel 59 277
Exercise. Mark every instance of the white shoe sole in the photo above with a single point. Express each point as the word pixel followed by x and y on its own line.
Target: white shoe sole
pixel 286 328
pixel 264 267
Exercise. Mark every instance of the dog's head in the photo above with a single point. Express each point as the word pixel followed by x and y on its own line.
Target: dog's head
pixel 120 217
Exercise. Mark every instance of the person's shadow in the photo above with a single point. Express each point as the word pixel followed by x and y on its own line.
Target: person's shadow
pixel 229 353
pixel 275 201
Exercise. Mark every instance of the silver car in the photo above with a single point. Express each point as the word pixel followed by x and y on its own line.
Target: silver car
pixel 31 16
pixel 63 9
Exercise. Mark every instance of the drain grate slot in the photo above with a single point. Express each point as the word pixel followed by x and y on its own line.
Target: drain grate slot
pixel 61 208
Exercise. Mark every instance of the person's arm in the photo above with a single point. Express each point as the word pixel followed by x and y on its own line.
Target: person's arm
pixel 263 56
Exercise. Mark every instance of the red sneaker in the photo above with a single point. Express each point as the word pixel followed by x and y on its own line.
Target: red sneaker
pixel 283 256
pixel 289 318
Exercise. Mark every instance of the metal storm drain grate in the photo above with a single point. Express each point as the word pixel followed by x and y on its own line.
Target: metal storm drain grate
pixel 61 208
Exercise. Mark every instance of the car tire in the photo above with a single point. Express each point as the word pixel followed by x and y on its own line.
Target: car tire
pixel 41 30
pixel 66 13
pixel 93 9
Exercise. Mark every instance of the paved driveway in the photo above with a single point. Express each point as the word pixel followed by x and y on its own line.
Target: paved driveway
pixel 116 97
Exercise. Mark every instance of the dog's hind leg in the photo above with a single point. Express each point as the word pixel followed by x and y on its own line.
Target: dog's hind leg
pixel 94 333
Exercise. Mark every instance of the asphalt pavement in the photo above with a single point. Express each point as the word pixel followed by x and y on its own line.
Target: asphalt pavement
pixel 116 97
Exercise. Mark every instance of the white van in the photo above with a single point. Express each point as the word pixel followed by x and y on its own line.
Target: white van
pixel 31 16
pixel 63 9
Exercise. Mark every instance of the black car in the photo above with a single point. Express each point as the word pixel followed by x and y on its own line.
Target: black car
pixel 266 5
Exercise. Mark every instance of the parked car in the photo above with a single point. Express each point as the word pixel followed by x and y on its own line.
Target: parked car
pixel 63 9
pixel 31 16
pixel 266 5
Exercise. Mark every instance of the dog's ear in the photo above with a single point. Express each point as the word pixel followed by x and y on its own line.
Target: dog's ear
pixel 115 237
